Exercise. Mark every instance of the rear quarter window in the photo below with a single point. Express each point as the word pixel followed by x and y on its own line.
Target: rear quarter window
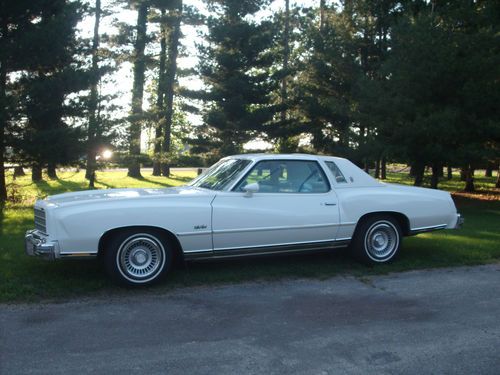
pixel 337 173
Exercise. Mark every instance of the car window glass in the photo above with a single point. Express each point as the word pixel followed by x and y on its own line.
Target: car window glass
pixel 221 174
pixel 337 174
pixel 286 176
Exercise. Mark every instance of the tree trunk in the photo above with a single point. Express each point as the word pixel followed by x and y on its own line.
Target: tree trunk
pixel 92 180
pixel 134 169
pixel 160 96
pixel 489 170
pixel 36 172
pixel 322 14
pixel 51 171
pixel 383 169
pixel 283 142
pixel 377 168
pixel 437 170
pixel 93 102
pixel 449 172
pixel 18 171
pixel 469 179
pixel 497 185
pixel 412 171
pixel 173 46
pixel 418 173
pixel 3 120
pixel 440 170
pixel 463 174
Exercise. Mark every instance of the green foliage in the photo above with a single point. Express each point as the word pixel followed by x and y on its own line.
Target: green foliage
pixel 436 67
pixel 50 76
pixel 234 66
pixel 327 99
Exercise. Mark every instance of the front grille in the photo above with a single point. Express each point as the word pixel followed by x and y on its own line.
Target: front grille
pixel 40 223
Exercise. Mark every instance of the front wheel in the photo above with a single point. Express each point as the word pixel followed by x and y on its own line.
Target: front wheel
pixel 136 258
pixel 377 239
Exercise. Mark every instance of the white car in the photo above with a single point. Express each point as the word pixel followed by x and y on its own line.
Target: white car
pixel 242 205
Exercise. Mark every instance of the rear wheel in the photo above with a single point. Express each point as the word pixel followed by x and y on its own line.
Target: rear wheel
pixel 138 257
pixel 377 239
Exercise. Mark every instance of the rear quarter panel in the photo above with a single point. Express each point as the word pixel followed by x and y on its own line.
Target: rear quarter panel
pixel 423 207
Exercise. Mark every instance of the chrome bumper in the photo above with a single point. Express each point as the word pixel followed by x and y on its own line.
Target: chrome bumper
pixel 460 221
pixel 35 244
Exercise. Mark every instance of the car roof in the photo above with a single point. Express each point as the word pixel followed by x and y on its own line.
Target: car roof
pixel 261 156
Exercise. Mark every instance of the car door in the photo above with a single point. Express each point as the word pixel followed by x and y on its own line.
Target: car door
pixel 294 205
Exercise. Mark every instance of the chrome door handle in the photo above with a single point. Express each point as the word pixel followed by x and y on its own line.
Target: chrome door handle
pixel 330 204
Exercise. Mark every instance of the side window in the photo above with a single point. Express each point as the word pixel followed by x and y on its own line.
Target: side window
pixel 337 174
pixel 287 176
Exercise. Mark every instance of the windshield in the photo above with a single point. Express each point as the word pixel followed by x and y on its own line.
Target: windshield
pixel 220 175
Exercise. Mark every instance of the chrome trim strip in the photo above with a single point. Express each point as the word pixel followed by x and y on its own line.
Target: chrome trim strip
pixel 428 229
pixel 266 250
pixel 274 245
pixel 344 239
pixel 274 228
pixel 184 234
pixel 78 255
pixel 348 223
pixel 198 251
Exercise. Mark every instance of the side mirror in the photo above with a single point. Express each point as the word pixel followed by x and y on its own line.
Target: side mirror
pixel 250 189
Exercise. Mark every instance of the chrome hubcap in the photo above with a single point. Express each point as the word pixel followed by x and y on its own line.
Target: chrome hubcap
pixel 141 256
pixel 381 240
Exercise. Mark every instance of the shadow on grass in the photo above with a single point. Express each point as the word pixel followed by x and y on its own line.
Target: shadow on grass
pixel 2 218
pixel 63 186
pixel 100 182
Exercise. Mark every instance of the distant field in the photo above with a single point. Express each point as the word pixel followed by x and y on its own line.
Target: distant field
pixel 26 279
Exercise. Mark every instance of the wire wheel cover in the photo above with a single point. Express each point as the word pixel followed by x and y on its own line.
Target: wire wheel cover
pixel 141 256
pixel 381 240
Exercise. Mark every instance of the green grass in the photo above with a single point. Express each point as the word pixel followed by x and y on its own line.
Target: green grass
pixel 24 279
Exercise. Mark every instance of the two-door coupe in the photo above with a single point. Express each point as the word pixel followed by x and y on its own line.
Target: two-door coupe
pixel 242 205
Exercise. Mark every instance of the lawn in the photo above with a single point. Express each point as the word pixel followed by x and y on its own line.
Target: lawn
pixel 23 278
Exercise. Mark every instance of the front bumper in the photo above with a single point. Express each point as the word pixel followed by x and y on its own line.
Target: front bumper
pixel 460 221
pixel 36 244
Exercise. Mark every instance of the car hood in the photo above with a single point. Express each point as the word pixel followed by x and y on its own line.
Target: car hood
pixel 92 196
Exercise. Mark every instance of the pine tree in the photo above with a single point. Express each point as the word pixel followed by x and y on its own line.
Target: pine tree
pixel 93 102
pixel 328 82
pixel 160 94
pixel 175 16
pixel 235 68
pixel 16 19
pixel 134 169
pixel 47 138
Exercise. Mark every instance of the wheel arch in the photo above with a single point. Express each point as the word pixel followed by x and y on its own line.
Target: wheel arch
pixel 401 218
pixel 108 235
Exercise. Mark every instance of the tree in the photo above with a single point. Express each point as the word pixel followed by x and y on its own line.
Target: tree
pixel 134 169
pixel 16 18
pixel 327 97
pixel 234 67
pixel 93 102
pixel 52 68
pixel 175 16
pixel 160 94
pixel 284 143
pixel 442 90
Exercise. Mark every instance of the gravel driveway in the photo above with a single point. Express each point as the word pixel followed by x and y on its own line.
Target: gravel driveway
pixel 442 321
